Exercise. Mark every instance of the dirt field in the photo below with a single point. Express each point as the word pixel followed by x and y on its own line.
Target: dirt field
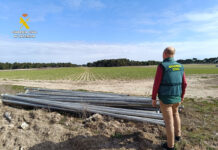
pixel 52 130
pixel 199 86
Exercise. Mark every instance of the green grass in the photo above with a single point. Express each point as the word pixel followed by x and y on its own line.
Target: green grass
pixel 93 73
pixel 124 72
pixel 63 120
pixel 201 69
pixel 199 123
pixel 18 88
pixel 200 65
pixel 11 88
pixel 42 74
pixel 213 86
pixel 117 135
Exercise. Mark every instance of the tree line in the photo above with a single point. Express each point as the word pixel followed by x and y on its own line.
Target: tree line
pixel 213 60
pixel 16 65
pixel 103 63
pixel 127 62
pixel 120 62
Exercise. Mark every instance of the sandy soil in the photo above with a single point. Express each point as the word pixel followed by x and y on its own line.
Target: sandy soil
pixel 54 131
pixel 199 86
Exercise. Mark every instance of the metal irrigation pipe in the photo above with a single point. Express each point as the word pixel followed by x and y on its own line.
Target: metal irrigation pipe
pixel 86 93
pixel 92 97
pixel 46 102
pixel 69 91
pixel 85 100
pixel 102 108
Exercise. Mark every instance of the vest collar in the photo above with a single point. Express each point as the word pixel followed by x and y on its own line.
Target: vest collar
pixel 168 59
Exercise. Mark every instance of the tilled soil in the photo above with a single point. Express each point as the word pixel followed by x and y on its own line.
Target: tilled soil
pixel 199 86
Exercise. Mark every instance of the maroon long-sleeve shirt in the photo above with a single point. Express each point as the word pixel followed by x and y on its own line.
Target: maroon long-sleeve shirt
pixel 157 81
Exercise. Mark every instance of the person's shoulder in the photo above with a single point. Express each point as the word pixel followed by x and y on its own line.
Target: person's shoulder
pixel 160 66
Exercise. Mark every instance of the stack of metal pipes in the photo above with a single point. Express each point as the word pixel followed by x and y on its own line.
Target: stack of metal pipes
pixel 121 106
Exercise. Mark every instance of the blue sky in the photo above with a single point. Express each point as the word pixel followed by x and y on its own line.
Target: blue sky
pixel 81 31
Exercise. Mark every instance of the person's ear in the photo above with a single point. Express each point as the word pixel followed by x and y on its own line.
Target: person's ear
pixel 164 55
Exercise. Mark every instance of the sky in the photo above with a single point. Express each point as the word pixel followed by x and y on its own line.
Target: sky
pixel 81 31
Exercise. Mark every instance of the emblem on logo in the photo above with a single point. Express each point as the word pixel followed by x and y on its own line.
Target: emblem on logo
pixel 24 22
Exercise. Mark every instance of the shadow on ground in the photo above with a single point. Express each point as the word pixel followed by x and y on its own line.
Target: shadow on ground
pixel 129 141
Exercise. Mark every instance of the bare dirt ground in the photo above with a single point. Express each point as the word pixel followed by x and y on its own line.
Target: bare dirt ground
pixel 56 131
pixel 53 130
pixel 199 86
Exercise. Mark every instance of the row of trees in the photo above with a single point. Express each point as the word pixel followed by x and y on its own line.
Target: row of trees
pixel 103 63
pixel 34 65
pixel 127 62
pixel 213 60
pixel 120 62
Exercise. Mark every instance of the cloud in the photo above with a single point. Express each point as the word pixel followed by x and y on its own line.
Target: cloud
pixel 38 12
pixel 96 4
pixel 202 22
pixel 73 3
pixel 148 31
pixel 204 16
pixel 77 4
pixel 81 53
pixel 175 24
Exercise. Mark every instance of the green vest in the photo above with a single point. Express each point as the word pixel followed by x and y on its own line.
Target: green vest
pixel 170 89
